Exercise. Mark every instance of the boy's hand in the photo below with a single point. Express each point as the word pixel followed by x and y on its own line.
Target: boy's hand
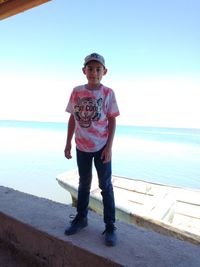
pixel 106 154
pixel 67 152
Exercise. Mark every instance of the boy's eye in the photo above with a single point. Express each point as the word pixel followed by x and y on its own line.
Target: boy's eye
pixel 94 69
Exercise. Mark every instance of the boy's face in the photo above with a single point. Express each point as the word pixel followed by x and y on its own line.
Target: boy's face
pixel 94 72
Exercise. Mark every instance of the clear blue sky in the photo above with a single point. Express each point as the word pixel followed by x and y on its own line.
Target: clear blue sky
pixel 152 51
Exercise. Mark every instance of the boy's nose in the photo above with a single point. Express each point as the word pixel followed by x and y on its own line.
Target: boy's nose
pixel 94 71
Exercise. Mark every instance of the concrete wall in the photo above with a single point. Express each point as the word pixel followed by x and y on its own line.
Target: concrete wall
pixel 35 226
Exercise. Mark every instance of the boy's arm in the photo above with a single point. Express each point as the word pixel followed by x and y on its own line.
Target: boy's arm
pixel 107 152
pixel 70 133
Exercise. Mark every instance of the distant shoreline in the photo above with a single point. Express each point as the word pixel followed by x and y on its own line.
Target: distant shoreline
pixel 9 122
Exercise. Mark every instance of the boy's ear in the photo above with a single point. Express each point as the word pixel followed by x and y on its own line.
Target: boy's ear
pixel 83 70
pixel 105 71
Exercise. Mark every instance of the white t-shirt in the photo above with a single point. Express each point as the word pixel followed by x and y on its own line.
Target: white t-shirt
pixel 91 110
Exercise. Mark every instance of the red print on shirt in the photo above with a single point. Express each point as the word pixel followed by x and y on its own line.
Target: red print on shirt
pixel 87 110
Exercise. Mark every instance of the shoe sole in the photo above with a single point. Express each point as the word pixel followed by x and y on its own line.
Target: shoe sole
pixel 110 244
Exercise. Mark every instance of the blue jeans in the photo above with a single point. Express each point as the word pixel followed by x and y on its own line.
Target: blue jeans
pixel 84 162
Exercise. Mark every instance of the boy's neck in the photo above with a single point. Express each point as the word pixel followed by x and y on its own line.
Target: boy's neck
pixel 93 86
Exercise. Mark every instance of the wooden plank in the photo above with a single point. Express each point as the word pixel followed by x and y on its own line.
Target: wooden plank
pixel 187 223
pixel 188 209
pixel 12 7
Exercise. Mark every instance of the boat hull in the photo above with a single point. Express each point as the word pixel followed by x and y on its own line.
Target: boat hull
pixel 166 209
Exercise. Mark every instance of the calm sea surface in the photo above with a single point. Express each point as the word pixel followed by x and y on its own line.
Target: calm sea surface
pixel 31 156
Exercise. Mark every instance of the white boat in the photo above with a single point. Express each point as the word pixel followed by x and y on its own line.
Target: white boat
pixel 166 209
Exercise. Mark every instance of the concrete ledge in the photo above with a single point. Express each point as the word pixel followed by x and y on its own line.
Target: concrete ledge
pixel 45 249
pixel 35 227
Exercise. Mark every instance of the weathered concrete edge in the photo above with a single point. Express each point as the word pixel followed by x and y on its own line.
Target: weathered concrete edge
pixel 36 226
pixel 46 249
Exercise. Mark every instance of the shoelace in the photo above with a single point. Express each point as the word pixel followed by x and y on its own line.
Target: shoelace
pixel 72 217
pixel 109 229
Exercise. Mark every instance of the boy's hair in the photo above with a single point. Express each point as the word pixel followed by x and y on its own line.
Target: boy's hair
pixel 94 57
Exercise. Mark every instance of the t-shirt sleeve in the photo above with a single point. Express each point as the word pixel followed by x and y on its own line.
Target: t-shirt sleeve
pixel 69 107
pixel 113 110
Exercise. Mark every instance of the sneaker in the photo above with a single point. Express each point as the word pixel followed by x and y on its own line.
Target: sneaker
pixel 110 235
pixel 76 225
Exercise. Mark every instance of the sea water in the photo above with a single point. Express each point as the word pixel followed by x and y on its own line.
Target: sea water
pixel 32 155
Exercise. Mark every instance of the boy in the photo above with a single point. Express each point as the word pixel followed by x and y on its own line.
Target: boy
pixel 93 109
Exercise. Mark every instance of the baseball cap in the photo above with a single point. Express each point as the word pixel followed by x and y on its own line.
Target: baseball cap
pixel 95 57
